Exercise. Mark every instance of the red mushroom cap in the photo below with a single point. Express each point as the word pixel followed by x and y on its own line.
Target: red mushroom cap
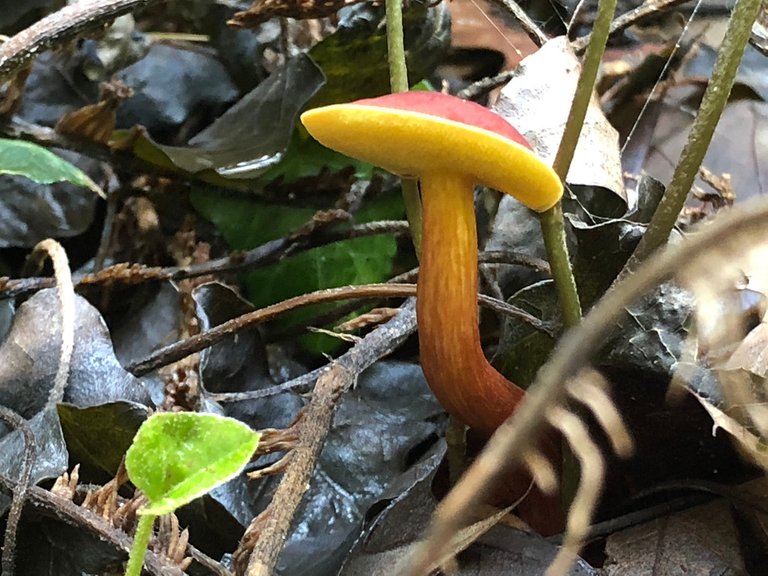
pixel 418 133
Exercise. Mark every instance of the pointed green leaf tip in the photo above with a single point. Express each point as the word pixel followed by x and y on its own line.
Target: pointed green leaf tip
pixel 19 158
pixel 179 456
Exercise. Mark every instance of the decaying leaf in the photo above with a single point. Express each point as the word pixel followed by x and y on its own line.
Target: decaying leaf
pixel 702 540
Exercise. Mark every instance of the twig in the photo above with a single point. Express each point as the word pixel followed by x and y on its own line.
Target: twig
pixel 649 8
pixel 61 26
pixel 484 85
pixel 529 26
pixel 271 526
pixel 267 253
pixel 552 223
pixel 198 342
pixel 66 291
pixel 19 489
pixel 407 291
pixel 66 510
pixel 519 433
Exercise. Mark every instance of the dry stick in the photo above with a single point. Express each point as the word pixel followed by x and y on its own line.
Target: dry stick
pixel 313 428
pixel 65 510
pixel 516 436
pixel 20 489
pixel 61 26
pixel 646 10
pixel 267 253
pixel 179 350
pixel 529 26
pixel 307 379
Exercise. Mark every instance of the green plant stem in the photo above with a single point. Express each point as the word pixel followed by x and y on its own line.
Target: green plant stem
pixel 553 226
pixel 398 80
pixel 398 70
pixel 140 543
pixel 553 229
pixel 715 98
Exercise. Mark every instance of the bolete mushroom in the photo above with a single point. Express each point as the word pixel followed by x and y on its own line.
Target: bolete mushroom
pixel 450 145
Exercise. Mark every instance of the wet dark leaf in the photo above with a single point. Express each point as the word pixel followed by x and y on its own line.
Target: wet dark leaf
pixel 98 436
pixel 389 415
pixel 31 212
pixel 605 235
pixel 51 547
pixel 651 337
pixel 174 87
pixel 402 518
pixel 29 358
pixel 50 452
pixel 14 11
pixel 522 350
pixel 56 86
pixel 604 239
pixel 246 54
pixel 237 363
pixel 354 58
pixel 150 322
pixel 252 135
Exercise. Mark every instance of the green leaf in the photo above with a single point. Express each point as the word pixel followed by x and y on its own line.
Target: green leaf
pixel 246 223
pixel 26 159
pixel 177 457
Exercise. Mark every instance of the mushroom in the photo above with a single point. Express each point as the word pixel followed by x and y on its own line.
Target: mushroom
pixel 450 145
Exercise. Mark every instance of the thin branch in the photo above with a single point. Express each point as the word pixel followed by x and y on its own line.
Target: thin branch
pixel 519 433
pixel 305 238
pixel 307 379
pixel 65 510
pixel 624 21
pixel 266 535
pixel 529 26
pixel 62 26
pixel 198 342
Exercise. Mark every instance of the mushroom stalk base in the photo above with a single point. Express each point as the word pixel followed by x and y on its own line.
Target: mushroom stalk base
pixel 452 358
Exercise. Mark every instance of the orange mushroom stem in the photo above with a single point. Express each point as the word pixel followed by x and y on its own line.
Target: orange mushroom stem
pixel 450 145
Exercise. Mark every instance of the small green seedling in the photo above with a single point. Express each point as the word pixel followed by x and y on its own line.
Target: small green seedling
pixel 177 457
